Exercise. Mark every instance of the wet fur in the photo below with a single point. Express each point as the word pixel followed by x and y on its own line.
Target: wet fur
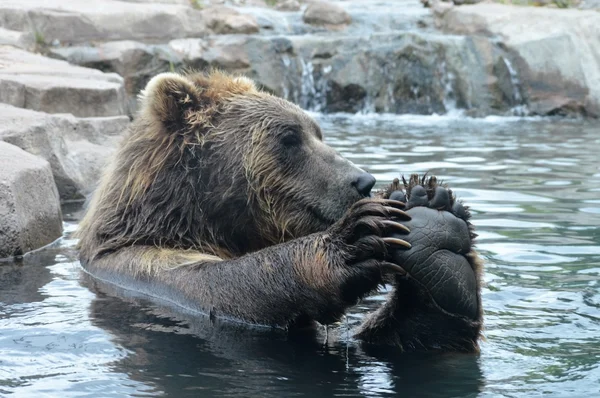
pixel 196 208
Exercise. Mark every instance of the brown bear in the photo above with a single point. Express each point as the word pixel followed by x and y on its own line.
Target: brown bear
pixel 223 199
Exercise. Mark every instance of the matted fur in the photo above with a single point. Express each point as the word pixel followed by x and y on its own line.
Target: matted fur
pixel 177 114
pixel 203 205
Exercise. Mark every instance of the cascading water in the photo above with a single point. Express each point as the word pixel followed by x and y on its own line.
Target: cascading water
pixel 520 106
pixel 313 88
pixel 448 80
pixel 305 83
pixel 369 101
pixel 287 94
pixel 375 81
pixel 390 97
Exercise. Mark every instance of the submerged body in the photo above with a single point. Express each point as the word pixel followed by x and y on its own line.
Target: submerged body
pixel 224 199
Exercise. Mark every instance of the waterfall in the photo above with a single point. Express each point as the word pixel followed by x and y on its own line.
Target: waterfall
pixel 313 90
pixel 305 83
pixel 288 84
pixel 447 81
pixel 390 100
pixel 368 105
pixel 520 107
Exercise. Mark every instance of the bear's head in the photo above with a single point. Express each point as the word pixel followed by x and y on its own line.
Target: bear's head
pixel 214 164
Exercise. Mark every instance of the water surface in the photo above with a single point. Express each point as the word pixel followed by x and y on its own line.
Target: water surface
pixel 534 189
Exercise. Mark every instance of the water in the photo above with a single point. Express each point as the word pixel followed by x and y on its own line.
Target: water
pixel 534 187
pixel 520 106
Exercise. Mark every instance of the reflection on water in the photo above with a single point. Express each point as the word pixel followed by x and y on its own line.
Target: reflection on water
pixel 534 189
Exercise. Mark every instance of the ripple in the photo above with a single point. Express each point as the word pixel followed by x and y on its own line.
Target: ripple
pixel 508 223
pixel 593 210
pixel 466 159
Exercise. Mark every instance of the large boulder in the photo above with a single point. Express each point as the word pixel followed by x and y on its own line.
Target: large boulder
pixel 136 62
pixel 15 39
pixel 85 21
pixel 76 148
pixel 555 52
pixel 223 52
pixel 326 14
pixel 39 83
pixel 288 5
pixel 30 215
pixel 225 20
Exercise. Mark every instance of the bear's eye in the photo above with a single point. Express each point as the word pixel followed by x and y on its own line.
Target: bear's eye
pixel 291 138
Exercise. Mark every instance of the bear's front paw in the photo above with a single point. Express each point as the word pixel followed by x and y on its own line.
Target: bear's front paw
pixel 441 259
pixel 368 234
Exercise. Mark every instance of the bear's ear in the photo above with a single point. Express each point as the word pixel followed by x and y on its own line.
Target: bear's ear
pixel 172 100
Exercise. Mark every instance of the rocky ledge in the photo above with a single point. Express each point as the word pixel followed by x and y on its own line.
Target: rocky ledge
pixel 555 52
pixel 349 56
pixel 30 215
pixel 39 83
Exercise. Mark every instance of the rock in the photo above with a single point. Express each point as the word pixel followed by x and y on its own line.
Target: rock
pixel 100 20
pixel 326 14
pixel 288 5
pixel 402 72
pixel 223 52
pixel 39 83
pixel 136 62
pixel 225 20
pixel 464 2
pixel 554 52
pixel 590 4
pixel 15 39
pixel 76 149
pixel 439 8
pixel 30 215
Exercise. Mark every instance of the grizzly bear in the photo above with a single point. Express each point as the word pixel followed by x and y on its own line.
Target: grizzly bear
pixel 223 199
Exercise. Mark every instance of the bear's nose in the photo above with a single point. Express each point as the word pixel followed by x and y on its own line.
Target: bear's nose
pixel 364 183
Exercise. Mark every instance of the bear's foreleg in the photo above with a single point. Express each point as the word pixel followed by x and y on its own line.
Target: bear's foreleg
pixel 316 277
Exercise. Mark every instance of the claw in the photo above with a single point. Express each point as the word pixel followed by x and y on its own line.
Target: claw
pixel 392 268
pixel 393 203
pixel 392 211
pixel 398 226
pixel 397 242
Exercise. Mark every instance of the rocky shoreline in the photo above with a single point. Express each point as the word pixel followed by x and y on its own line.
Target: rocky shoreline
pixel 70 73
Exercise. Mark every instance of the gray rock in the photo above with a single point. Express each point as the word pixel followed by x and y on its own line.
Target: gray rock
pixel 104 20
pixel 39 83
pixel 77 149
pixel 223 52
pixel 225 20
pixel 288 5
pixel 136 62
pixel 327 14
pixel 590 5
pixel 554 52
pixel 16 39
pixel 30 215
